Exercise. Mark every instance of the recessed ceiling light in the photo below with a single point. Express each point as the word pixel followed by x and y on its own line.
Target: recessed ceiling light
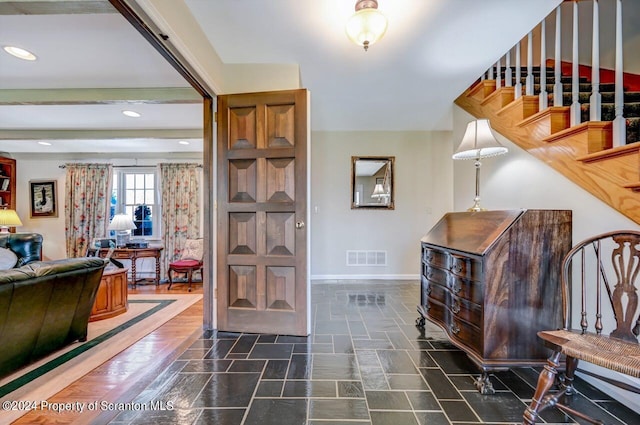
pixel 183 142
pixel 44 143
pixel 20 53
pixel 132 114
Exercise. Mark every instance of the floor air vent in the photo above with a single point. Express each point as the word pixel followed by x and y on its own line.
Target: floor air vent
pixel 366 258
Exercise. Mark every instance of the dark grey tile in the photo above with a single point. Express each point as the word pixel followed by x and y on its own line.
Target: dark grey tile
pixel 464 382
pixel 271 389
pixel 218 416
pixel 453 361
pixel 207 366
pixel 202 343
pixel 169 417
pixel 335 366
pixel 334 327
pixel 276 369
pixel 244 344
pixel 228 390
pixel 357 328
pixel 372 344
pixel 387 400
pixel 620 411
pixel 407 382
pixel 373 378
pixel 515 384
pixel 498 407
pixel 396 361
pixel 338 422
pixel 277 411
pixel 393 418
pixel 342 344
pixel 349 408
pixel 288 339
pixel 423 400
pixel 350 389
pixel 323 339
pixel 300 367
pixel 399 341
pixel 220 349
pixel 271 351
pixel 459 411
pixel 438 383
pixel 432 418
pixel 237 356
pixel 247 366
pixel 312 348
pixel 421 358
pixel 266 339
pixel 310 389
pixel 183 388
pixel 194 353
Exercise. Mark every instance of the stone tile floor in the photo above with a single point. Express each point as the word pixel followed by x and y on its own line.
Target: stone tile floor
pixel 364 363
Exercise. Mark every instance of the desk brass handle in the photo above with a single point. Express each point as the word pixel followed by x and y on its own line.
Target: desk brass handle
pixel 455 307
pixel 428 289
pixel 456 289
pixel 454 329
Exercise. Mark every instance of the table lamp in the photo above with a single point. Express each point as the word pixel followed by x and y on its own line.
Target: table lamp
pixel 8 218
pixel 122 224
pixel 478 142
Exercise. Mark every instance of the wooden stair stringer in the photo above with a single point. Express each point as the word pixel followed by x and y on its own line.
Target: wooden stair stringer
pixel 615 180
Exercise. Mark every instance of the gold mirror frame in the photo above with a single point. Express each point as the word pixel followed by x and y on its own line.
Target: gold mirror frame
pixel 372 181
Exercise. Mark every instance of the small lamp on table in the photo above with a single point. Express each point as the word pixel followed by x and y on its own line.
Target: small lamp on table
pixel 8 218
pixel 122 224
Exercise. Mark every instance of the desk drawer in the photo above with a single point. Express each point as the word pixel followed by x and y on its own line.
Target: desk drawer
pixel 465 310
pixel 465 267
pixel 436 292
pixel 435 275
pixel 435 257
pixel 467 334
pixel 467 289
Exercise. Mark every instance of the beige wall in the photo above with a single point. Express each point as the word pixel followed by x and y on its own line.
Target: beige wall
pixel 422 194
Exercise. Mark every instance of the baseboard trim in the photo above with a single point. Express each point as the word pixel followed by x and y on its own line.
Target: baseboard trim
pixel 342 277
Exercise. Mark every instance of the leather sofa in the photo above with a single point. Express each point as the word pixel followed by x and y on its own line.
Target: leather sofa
pixel 44 306
pixel 26 246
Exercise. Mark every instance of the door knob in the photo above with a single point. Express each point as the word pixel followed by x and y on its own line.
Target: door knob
pixel 300 224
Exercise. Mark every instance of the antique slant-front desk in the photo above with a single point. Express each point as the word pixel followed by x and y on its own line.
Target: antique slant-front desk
pixel 491 280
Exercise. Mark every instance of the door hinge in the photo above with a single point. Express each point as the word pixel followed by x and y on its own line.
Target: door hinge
pixel 215 293
pixel 215 117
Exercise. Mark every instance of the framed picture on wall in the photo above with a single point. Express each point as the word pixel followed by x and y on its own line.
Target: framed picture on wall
pixel 44 202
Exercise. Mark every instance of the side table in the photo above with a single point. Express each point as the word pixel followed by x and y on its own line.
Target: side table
pixel 111 298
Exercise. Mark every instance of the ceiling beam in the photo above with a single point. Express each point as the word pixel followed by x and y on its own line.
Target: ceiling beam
pixel 186 133
pixel 171 95
pixel 55 7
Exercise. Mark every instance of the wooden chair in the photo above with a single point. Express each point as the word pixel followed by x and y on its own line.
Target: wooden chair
pixel 602 271
pixel 190 261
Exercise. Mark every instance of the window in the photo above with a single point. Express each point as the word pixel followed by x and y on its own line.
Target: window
pixel 134 194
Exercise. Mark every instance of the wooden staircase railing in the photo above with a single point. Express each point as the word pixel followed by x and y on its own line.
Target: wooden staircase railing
pixel 579 153
pixel 578 128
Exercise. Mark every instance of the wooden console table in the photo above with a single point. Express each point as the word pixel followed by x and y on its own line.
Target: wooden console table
pixel 132 254
pixel 111 298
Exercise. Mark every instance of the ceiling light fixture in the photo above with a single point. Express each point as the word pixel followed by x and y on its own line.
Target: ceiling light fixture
pixel 132 114
pixel 183 142
pixel 367 25
pixel 44 143
pixel 20 53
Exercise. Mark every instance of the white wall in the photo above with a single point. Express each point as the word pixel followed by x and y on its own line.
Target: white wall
pixel 422 187
pixel 519 180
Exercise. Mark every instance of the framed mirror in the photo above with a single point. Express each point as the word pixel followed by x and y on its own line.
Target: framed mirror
pixel 372 182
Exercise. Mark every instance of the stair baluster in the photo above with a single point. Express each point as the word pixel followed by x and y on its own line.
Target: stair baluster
pixel 595 101
pixel 619 123
pixel 518 90
pixel 544 98
pixel 575 72
pixel 557 87
pixel 529 80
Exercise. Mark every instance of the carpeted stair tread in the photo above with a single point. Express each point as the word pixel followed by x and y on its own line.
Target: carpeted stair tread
pixel 607 97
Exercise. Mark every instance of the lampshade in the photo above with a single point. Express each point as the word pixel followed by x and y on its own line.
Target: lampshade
pixel 8 218
pixel 367 25
pixel 121 222
pixel 479 142
pixel 378 191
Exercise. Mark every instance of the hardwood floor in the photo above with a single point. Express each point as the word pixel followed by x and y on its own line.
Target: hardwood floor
pixel 131 370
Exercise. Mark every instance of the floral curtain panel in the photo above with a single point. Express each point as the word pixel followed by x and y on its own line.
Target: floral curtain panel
pixel 180 193
pixel 86 206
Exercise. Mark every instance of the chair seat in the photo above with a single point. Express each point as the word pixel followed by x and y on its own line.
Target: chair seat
pixel 185 264
pixel 612 353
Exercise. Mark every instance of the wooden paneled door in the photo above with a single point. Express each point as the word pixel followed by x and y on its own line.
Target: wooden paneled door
pixel 262 275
